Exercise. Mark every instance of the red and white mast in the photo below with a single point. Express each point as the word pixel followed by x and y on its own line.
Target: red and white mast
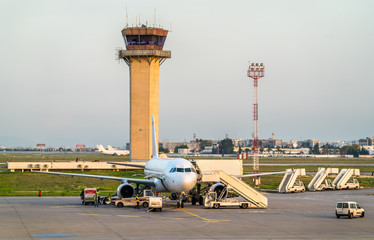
pixel 255 71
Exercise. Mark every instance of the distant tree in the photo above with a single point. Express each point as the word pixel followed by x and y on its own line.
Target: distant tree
pixel 364 151
pixel 247 150
pixel 240 150
pixel 178 147
pixel 352 150
pixel 316 149
pixel 203 143
pixel 278 149
pixel 226 146
pixel 261 150
pixel 214 150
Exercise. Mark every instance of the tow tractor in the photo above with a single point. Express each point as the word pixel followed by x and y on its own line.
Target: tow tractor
pixel 212 201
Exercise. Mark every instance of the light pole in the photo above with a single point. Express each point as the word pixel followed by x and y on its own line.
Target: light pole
pixel 255 71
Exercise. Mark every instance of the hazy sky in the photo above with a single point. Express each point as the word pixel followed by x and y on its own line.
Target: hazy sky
pixel 61 84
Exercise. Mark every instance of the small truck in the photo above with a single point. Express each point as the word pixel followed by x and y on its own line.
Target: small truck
pixel 349 209
pixel 88 196
pixel 131 202
pixel 211 201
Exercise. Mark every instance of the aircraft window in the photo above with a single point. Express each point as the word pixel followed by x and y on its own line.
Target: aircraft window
pixel 180 169
pixel 172 170
pixel 187 169
pixel 193 170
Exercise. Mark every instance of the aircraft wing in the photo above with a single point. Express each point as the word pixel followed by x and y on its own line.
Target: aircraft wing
pixel 148 182
pixel 260 174
pixel 128 164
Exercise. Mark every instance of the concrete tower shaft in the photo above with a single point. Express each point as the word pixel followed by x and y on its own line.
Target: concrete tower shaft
pixel 144 55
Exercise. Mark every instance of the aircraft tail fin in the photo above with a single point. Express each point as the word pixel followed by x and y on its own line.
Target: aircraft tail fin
pixel 110 148
pixel 154 140
pixel 100 147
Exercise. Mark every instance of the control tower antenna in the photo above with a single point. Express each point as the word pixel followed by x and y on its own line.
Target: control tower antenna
pixel 127 19
pixel 255 71
pixel 154 16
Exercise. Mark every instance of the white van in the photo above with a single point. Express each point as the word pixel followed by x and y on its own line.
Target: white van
pixel 350 209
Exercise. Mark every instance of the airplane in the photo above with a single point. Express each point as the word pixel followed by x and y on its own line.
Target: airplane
pixel 176 175
pixel 112 151
pixel 173 175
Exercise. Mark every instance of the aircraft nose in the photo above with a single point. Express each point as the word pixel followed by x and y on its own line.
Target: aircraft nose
pixel 183 183
pixel 188 182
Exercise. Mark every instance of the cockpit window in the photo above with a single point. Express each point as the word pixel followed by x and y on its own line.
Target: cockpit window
pixel 187 170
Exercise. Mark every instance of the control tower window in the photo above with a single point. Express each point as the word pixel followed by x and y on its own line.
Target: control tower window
pixel 145 40
pixel 132 40
pixel 161 41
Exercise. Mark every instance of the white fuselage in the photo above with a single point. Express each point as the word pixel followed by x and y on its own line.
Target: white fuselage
pixel 115 152
pixel 171 175
pixel 112 151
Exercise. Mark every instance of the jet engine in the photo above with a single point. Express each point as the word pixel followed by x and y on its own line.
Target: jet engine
pixel 218 188
pixel 125 190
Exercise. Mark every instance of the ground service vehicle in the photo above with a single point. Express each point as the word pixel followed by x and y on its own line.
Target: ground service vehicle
pixel 88 196
pixel 350 209
pixel 155 203
pixel 297 187
pixel 131 202
pixel 352 184
pixel 211 201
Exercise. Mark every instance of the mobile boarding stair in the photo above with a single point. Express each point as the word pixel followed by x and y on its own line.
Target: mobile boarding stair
pixel 244 190
pixel 319 181
pixel 290 183
pixel 344 181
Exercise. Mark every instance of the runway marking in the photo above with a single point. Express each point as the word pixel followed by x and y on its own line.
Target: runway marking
pixel 172 218
pixel 205 219
pixel 72 206
pixel 105 215
pixel 258 238
pixel 13 205
pixel 249 211
pixel 127 216
pixel 92 214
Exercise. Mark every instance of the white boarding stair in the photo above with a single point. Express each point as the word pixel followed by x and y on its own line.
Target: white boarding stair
pixel 243 189
pixel 317 182
pixel 290 178
pixel 345 174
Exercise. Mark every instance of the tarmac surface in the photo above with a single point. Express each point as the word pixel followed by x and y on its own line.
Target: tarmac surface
pixel 309 215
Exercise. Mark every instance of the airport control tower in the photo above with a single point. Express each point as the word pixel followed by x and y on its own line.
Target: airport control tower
pixel 143 55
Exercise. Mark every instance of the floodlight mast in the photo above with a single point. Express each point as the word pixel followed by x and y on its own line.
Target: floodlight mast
pixel 255 71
